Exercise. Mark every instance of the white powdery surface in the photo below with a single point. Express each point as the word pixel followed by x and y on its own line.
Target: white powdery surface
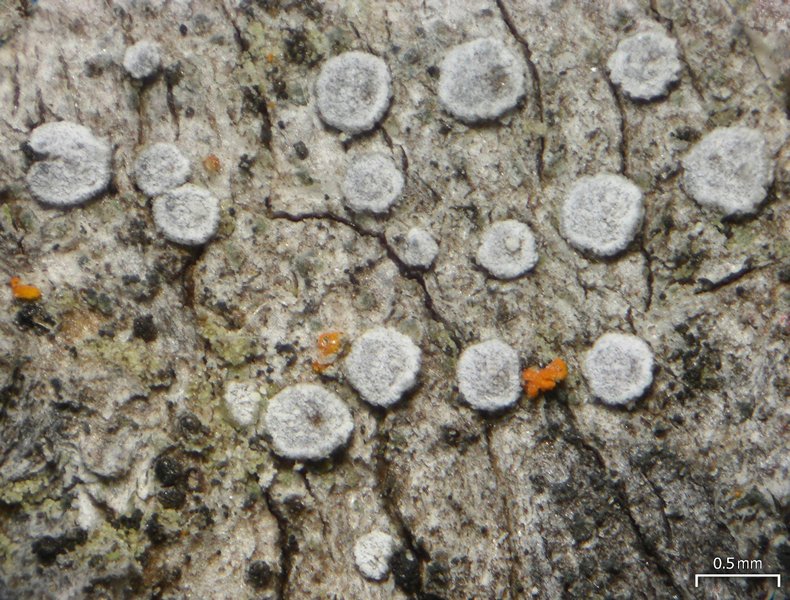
pixel 645 65
pixel 243 401
pixel 373 183
pixel 488 376
pixel 160 167
pixel 373 553
pixel 418 249
pixel 308 422
pixel 142 59
pixel 383 364
pixel 481 80
pixel 619 368
pixel 602 214
pixel 729 170
pixel 187 215
pixel 507 250
pixel 353 91
pixel 75 165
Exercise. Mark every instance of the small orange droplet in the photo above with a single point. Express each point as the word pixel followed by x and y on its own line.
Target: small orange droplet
pixel 24 292
pixel 329 343
pixel 211 164
pixel 319 367
pixel 546 379
pixel 270 57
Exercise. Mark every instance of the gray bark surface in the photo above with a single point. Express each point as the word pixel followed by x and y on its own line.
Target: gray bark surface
pixel 121 473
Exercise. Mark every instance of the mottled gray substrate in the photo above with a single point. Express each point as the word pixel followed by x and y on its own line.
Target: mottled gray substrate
pixel 121 475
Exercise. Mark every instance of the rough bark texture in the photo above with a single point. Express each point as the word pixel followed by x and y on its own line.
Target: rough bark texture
pixel 120 473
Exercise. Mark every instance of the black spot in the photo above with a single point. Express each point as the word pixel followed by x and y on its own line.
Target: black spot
pixel 48 547
pixel 260 574
pixel 299 49
pixel 168 471
pixel 155 531
pixel 144 328
pixel 406 570
pixel 172 497
pixel 131 521
pixel 433 71
pixel 301 150
pixel 183 29
pixel 783 554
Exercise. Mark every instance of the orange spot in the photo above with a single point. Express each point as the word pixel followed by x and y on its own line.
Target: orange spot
pixel 270 57
pixel 211 164
pixel 329 343
pixel 319 367
pixel 270 104
pixel 546 379
pixel 24 292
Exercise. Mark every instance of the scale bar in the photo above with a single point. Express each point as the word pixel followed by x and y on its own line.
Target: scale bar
pixel 698 576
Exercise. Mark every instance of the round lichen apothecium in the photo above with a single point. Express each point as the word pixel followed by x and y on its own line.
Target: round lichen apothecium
pixel 74 165
pixel 160 167
pixel 507 250
pixel 619 368
pixel 373 552
pixel 481 80
pixel 645 65
pixel 373 183
pixel 729 170
pixel 382 365
pixel 488 376
pixel 602 214
pixel 187 215
pixel 307 422
pixel 353 91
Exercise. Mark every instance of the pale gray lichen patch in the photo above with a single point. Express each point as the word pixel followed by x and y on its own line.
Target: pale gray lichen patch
pixel 187 215
pixel 307 422
pixel 619 368
pixel 373 552
pixel 481 80
pixel 488 375
pixel 142 59
pixel 507 250
pixel 353 91
pixel 417 249
pixel 602 214
pixel 645 65
pixel 160 167
pixel 729 170
pixel 373 183
pixel 382 365
pixel 74 167
pixel 242 401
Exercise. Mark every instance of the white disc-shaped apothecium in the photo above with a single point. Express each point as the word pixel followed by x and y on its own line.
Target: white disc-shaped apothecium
pixel 382 365
pixel 73 167
pixel 243 402
pixel 602 214
pixel 373 183
pixel 160 167
pixel 308 422
pixel 481 80
pixel 187 215
pixel 417 249
pixel 353 91
pixel 619 368
pixel 142 59
pixel 488 376
pixel 507 250
pixel 373 552
pixel 729 170
pixel 645 65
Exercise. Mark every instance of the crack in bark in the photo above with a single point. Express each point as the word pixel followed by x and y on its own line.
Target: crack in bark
pixel 649 277
pixel 534 76
pixel 645 547
pixel 623 146
pixel 662 502
pixel 504 497
pixel 706 285
pixel 403 269
pixel 324 524
pixel 286 558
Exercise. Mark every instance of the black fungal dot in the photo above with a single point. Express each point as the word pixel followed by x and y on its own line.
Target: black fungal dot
pixel 301 150
pixel 183 29
pixel 172 497
pixel 131 521
pixel 168 471
pixel 48 548
pixel 155 531
pixel 433 71
pixel 189 112
pixel 406 569
pixel 144 328
pixel 260 574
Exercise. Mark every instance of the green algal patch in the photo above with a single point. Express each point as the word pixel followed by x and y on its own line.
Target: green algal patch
pixel 233 347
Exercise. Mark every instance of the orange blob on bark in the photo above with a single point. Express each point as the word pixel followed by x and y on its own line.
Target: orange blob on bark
pixel 536 381
pixel 24 292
